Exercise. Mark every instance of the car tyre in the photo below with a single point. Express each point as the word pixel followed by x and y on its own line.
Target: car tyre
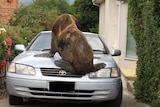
pixel 117 101
pixel 14 100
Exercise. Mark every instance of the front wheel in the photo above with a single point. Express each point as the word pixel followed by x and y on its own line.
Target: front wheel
pixel 14 100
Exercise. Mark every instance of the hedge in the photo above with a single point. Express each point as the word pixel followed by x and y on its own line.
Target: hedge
pixel 143 17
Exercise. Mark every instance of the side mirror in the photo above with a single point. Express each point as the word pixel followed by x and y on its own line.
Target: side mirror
pixel 116 52
pixel 19 47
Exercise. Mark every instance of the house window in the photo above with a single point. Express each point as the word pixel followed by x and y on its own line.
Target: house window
pixel 130 46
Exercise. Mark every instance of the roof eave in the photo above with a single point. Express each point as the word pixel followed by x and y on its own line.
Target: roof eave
pixel 97 2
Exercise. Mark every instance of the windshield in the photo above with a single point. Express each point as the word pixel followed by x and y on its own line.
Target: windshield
pixel 43 43
pixel 95 43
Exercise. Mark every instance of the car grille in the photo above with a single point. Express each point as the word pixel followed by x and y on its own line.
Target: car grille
pixel 75 93
pixel 57 72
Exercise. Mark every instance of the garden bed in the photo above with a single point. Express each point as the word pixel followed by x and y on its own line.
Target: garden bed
pixel 3 92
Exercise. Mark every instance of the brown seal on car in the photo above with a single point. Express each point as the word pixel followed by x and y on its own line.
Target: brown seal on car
pixel 72 45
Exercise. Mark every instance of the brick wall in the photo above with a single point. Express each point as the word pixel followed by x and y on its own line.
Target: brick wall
pixel 6 9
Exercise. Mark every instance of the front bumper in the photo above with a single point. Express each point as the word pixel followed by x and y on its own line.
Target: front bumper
pixel 77 89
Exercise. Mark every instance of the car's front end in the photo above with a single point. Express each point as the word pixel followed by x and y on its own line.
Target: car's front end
pixel 39 78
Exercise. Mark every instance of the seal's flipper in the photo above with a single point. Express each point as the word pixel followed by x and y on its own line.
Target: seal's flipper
pixel 64 65
pixel 98 66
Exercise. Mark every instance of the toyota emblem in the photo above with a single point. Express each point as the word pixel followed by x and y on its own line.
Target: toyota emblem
pixel 62 72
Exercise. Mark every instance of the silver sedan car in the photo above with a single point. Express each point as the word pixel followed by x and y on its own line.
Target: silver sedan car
pixel 30 77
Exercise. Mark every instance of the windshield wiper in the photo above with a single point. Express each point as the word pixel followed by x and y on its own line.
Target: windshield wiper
pixel 99 51
pixel 45 49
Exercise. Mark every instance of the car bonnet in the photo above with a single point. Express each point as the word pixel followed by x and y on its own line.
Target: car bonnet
pixel 28 58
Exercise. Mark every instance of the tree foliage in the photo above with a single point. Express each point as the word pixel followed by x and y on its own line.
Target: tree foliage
pixel 87 15
pixel 39 15
pixel 145 27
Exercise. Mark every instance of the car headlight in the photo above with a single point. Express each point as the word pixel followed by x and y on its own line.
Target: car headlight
pixel 105 72
pixel 21 69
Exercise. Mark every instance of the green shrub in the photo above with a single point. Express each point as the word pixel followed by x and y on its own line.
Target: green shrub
pixel 145 27
pixel 3 48
pixel 8 40
pixel 156 103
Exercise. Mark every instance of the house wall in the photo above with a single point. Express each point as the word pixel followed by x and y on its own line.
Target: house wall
pixel 102 19
pixel 6 10
pixel 124 62
pixel 108 24
pixel 113 27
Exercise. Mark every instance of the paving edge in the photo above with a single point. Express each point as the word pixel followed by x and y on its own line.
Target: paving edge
pixel 127 84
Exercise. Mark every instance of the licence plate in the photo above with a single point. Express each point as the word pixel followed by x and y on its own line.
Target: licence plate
pixel 61 86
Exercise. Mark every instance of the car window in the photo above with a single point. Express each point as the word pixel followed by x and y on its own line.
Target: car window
pixel 42 42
